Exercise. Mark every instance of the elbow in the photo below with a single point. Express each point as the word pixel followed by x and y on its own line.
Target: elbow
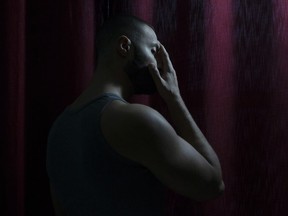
pixel 220 189
pixel 215 191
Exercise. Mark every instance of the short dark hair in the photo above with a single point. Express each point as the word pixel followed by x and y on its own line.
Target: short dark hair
pixel 116 26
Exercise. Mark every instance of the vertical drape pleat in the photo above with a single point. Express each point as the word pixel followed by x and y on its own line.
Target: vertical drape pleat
pixel 59 64
pixel 254 52
pixel 278 118
pixel 219 92
pixel 13 105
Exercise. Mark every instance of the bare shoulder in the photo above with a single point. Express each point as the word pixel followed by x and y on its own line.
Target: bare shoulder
pixel 137 112
pixel 132 127
pixel 124 116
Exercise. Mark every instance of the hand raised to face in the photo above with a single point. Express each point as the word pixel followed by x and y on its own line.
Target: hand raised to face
pixel 165 79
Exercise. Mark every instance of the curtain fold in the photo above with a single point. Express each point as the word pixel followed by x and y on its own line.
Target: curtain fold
pixel 219 106
pixel 13 106
pixel 231 61
pixel 59 63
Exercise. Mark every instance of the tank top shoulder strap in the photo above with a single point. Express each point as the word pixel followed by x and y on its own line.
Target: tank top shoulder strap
pixel 100 102
pixel 111 96
pixel 105 99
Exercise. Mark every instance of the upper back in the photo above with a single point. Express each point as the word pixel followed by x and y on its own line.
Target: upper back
pixel 88 176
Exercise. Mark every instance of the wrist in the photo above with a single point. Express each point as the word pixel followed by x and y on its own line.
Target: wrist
pixel 174 99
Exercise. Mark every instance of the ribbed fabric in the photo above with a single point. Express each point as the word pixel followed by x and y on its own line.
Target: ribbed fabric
pixel 89 176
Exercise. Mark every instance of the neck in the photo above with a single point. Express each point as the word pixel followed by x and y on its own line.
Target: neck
pixel 103 82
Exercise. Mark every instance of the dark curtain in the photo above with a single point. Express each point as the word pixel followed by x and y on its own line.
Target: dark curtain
pixel 231 57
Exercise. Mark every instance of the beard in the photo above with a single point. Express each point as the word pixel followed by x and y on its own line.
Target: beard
pixel 140 77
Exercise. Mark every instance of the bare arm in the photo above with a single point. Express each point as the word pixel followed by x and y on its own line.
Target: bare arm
pixel 188 130
pixel 143 135
pixel 184 124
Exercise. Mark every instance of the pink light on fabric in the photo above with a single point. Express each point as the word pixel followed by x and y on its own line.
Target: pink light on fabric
pixel 281 23
pixel 280 110
pixel 144 9
pixel 219 91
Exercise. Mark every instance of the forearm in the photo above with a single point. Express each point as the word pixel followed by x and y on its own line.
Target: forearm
pixel 167 86
pixel 186 128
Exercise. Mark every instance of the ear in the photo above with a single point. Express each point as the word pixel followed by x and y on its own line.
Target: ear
pixel 123 45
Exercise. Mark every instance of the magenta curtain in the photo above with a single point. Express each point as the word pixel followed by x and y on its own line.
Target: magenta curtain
pixel 231 60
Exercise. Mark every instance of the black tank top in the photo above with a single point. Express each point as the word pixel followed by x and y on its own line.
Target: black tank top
pixel 89 177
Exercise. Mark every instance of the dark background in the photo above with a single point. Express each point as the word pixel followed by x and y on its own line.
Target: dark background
pixel 231 60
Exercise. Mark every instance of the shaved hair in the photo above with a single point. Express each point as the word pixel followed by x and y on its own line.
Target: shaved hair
pixel 116 26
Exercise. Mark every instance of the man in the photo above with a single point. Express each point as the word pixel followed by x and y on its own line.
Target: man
pixel 106 156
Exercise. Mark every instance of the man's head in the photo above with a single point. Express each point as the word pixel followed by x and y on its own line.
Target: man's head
pixel 129 44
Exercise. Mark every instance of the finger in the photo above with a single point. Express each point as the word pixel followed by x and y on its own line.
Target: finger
pixel 167 64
